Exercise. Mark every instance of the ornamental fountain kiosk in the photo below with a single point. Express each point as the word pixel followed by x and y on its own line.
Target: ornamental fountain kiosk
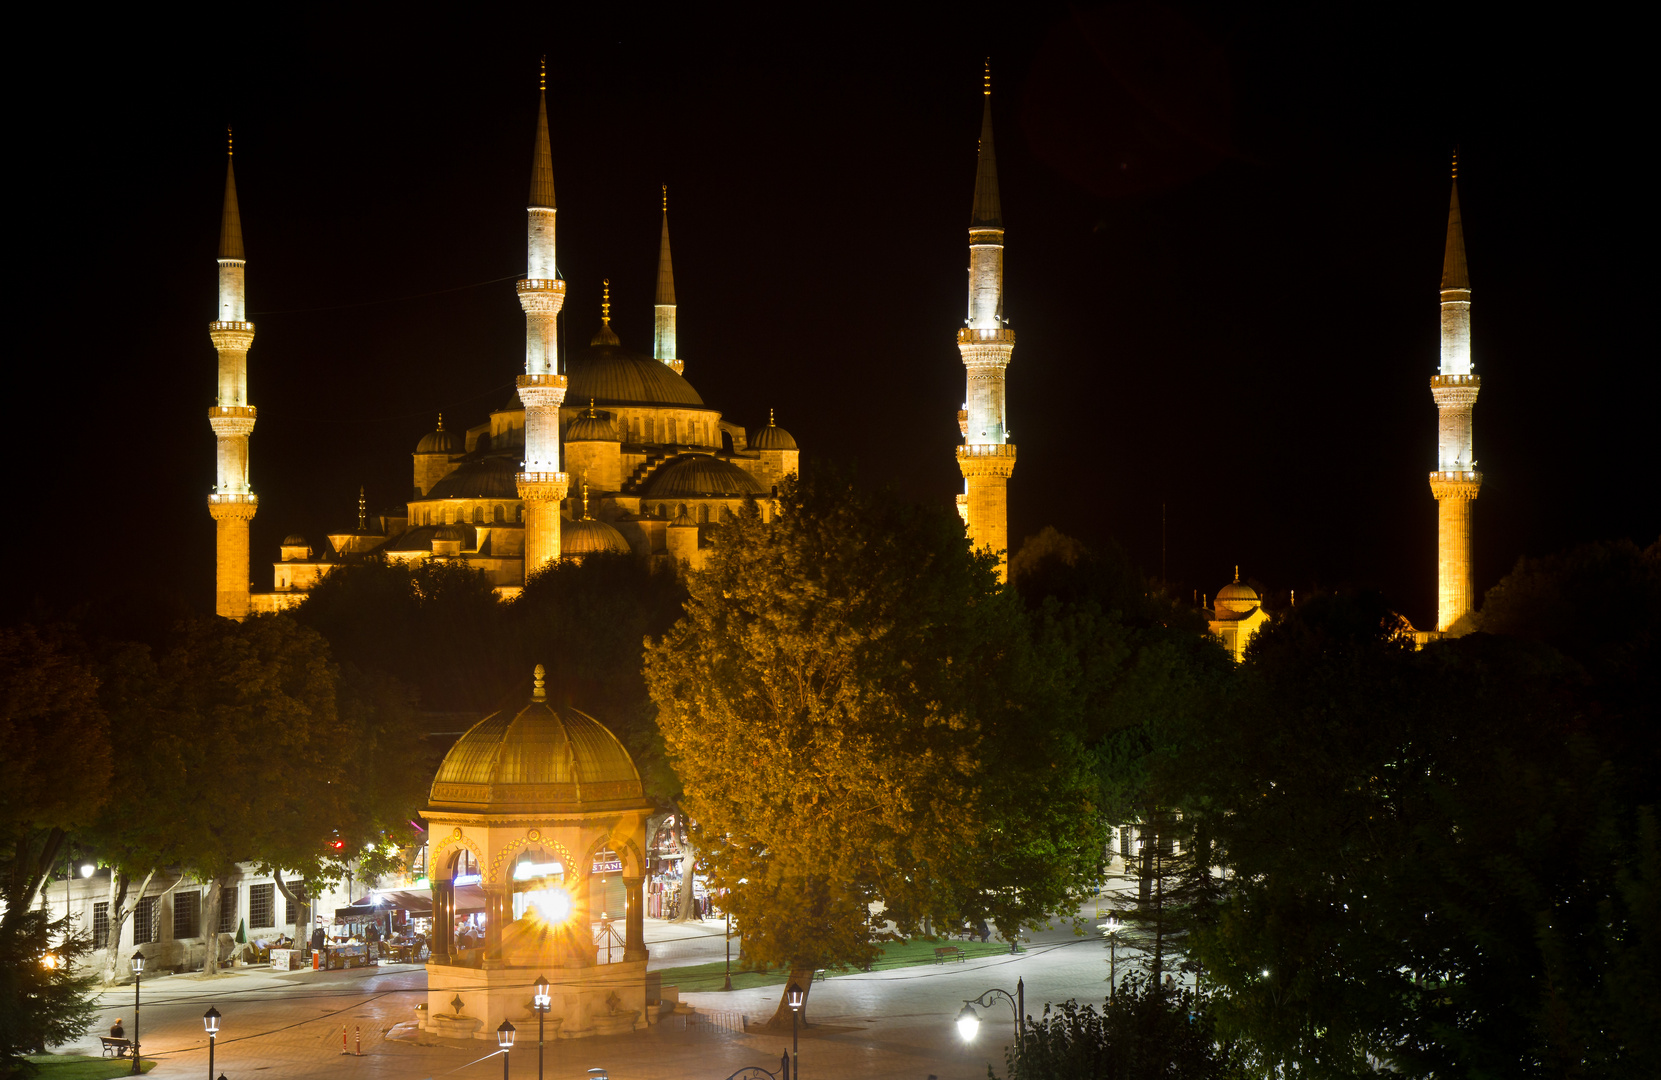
pixel 519 810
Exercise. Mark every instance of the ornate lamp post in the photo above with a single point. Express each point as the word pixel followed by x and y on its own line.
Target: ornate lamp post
pixel 210 1021
pixel 968 1021
pixel 504 1039
pixel 1111 928
pixel 138 977
pixel 541 1003
pixel 795 997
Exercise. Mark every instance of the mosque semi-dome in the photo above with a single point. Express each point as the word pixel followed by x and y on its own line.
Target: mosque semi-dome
pixel 488 478
pixel 295 540
pixel 772 437
pixel 612 375
pixel 536 758
pixel 695 476
pixel 587 536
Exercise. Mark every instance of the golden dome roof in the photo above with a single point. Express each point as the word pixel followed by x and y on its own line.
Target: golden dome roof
pixel 772 437
pixel 537 760
pixel 587 535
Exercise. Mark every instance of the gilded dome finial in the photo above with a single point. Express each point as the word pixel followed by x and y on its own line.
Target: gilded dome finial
pixel 605 301
pixel 591 414
pixel 770 422
pixel 988 90
pixel 1237 573
pixel 441 421
pixel 537 692
pixel 585 494
pixel 363 512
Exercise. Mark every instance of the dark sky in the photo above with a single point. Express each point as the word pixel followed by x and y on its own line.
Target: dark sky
pixel 1225 236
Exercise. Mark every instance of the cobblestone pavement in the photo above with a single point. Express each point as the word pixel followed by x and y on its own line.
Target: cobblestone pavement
pixel 890 1024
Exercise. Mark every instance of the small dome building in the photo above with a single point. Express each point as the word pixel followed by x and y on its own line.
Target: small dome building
pixel 530 811
pixel 1237 615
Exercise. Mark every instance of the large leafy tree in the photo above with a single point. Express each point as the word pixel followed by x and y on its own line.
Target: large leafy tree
pixel 838 703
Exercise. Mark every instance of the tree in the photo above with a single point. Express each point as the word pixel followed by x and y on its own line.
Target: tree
pixel 53 774
pixel 1141 1033
pixel 829 700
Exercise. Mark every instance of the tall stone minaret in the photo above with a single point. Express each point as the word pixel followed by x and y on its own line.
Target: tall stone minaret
pixel 542 388
pixel 1456 480
pixel 987 457
pixel 664 341
pixel 232 503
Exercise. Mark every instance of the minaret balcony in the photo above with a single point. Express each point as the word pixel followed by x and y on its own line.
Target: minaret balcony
pixel 1002 335
pixel 233 507
pixel 543 486
pixel 240 412
pixel 986 459
pixel 232 325
pixel 1437 381
pixel 1455 484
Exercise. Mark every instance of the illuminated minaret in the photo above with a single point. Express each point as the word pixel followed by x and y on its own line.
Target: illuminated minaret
pixel 232 503
pixel 542 388
pixel 987 457
pixel 1456 480
pixel 664 341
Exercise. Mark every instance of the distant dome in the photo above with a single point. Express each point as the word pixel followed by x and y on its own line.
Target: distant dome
pixel 772 437
pixel 491 478
pixel 694 476
pixel 611 375
pixel 1238 591
pixel 1236 598
pixel 295 540
pixel 440 441
pixel 591 427
pixel 536 759
pixel 585 537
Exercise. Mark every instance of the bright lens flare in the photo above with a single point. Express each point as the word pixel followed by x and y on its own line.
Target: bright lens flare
pixel 554 905
pixel 968 1024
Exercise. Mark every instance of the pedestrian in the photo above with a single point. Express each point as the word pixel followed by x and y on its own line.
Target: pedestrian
pixel 117 1031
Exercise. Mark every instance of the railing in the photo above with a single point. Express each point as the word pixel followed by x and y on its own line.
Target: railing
pixel 756 1072
pixel 986 450
pixel 997 336
pixel 539 285
pixel 1455 380
pixel 543 379
pixel 248 498
pixel 231 410
pixel 1467 474
pixel 231 326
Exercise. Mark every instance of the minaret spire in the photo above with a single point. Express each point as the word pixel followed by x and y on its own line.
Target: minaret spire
pixel 987 457
pixel 664 340
pixel 1456 481
pixel 232 503
pixel 542 388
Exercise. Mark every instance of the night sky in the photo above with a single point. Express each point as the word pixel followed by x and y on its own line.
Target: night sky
pixel 1225 237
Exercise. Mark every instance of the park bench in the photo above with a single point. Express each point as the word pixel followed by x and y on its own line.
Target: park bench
pixel 115 1047
pixel 949 952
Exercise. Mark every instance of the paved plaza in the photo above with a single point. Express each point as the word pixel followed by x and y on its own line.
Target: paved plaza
pixel 896 1023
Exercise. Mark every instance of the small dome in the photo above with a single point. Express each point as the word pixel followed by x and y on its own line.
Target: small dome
pixel 295 540
pixel 585 537
pixel 538 759
pixel 683 520
pixel 772 437
pixel 1237 591
pixel 440 441
pixel 450 532
pixel 590 426
pixel 692 476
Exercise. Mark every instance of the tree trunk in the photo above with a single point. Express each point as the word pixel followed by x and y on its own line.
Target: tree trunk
pixel 210 927
pixel 120 911
pixel 779 1023
pixel 689 871
pixel 297 903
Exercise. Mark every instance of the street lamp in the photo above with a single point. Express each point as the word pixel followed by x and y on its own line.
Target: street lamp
pixel 138 977
pixel 210 1021
pixel 504 1039
pixel 541 1003
pixel 968 1021
pixel 794 996
pixel 1111 928
pixel 728 914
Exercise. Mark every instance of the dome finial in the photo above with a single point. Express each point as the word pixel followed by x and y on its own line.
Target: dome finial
pixel 591 414
pixel 988 90
pixel 1237 573
pixel 770 422
pixel 363 512
pixel 537 692
pixel 585 494
pixel 605 301
pixel 441 421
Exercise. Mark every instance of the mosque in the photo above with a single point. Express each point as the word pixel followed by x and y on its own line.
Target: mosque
pixel 603 450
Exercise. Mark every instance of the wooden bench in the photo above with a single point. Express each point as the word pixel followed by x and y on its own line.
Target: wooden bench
pixel 949 952
pixel 115 1047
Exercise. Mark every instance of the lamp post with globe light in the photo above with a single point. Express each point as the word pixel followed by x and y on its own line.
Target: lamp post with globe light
pixel 541 1003
pixel 968 1020
pixel 1110 929
pixel 504 1039
pixel 210 1021
pixel 138 977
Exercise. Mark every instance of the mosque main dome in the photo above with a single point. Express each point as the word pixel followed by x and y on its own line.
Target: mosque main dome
pixel 537 759
pixel 612 375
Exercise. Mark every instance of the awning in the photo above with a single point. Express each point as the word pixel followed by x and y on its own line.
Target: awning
pixel 414 901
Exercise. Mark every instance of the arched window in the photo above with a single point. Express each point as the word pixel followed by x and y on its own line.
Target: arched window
pixel 703 514
pixel 501 513
pixel 478 515
pixel 464 866
pixel 539 888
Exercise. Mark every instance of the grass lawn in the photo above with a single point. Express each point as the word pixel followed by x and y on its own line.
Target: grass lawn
pixel 895 954
pixel 76 1067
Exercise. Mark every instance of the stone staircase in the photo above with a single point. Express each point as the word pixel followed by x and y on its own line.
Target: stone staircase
pixel 643 472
